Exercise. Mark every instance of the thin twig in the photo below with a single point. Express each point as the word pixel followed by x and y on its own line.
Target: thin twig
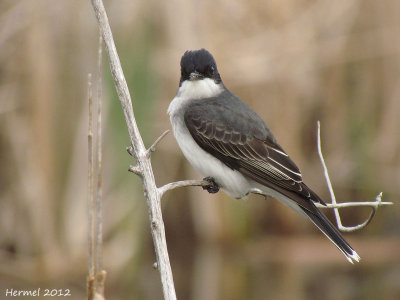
pixel 135 169
pixel 378 202
pixel 153 147
pixel 179 184
pixel 328 181
pixel 373 205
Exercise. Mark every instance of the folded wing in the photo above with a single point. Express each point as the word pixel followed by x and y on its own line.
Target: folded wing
pixel 256 154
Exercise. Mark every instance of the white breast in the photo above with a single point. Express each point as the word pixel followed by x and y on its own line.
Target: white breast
pixel 234 183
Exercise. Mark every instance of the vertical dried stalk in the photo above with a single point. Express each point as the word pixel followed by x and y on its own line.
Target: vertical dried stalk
pixel 141 154
pixel 99 205
pixel 90 204
pixel 96 277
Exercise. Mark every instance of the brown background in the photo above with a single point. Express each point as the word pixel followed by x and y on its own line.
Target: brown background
pixel 294 61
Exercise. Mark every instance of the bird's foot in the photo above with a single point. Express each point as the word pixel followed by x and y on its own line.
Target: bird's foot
pixel 212 187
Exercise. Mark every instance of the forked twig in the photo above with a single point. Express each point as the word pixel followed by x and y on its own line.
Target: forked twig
pixel 373 205
pixel 333 205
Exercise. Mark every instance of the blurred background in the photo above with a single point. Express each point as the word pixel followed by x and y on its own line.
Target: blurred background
pixel 294 61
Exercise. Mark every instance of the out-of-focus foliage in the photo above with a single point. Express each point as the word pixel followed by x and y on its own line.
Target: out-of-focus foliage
pixel 295 62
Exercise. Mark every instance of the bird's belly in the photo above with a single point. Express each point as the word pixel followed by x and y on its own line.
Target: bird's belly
pixel 231 181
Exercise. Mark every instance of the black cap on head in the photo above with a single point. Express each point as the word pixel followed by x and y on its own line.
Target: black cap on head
pixel 201 62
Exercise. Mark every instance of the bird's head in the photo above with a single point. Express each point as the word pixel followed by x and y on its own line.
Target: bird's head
pixel 199 65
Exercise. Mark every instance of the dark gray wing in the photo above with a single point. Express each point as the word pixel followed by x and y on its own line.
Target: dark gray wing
pixel 241 140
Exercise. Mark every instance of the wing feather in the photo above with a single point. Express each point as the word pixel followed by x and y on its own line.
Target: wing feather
pixel 241 146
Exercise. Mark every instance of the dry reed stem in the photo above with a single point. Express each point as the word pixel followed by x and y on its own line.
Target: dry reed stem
pixel 90 203
pixel 96 276
pixel 99 204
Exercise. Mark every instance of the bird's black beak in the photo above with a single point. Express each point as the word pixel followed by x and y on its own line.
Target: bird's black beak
pixel 195 76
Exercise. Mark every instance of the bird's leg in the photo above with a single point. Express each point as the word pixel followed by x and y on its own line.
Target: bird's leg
pixel 212 187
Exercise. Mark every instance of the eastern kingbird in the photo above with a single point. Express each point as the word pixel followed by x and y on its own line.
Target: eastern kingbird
pixel 226 141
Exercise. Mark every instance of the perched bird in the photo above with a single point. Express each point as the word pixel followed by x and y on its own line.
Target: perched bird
pixel 226 141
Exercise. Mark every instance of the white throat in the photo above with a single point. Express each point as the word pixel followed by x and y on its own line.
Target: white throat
pixel 196 89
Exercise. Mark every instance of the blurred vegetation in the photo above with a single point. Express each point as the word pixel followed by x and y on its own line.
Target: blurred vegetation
pixel 295 62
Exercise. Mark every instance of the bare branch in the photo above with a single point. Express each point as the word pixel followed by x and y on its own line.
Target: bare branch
pixel 135 169
pixel 143 167
pixel 153 147
pixel 374 205
pixel 183 183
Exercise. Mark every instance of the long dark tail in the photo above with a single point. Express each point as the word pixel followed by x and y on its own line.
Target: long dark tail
pixel 322 222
